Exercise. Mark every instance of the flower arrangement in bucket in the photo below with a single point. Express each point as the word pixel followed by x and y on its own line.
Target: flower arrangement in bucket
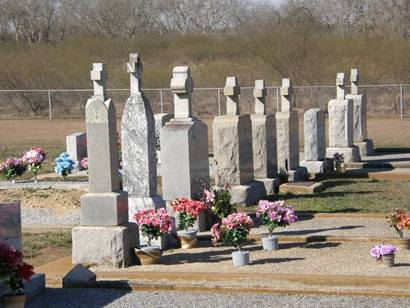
pixel 218 200
pixel 338 160
pixel 399 220
pixel 153 224
pixel 84 163
pixel 188 212
pixel 233 230
pixel 12 168
pixel 273 215
pixel 13 272
pixel 384 254
pixel 64 165
pixel 33 159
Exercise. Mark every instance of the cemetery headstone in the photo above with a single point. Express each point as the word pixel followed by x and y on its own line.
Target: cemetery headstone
pixel 341 124
pixel 76 147
pixel 360 137
pixel 264 140
pixel 105 236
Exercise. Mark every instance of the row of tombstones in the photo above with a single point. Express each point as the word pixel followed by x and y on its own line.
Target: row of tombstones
pixel 245 148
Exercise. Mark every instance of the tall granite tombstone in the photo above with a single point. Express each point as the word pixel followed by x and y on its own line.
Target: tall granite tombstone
pixel 360 138
pixel 10 223
pixel 341 124
pixel 264 140
pixel 76 146
pixel 105 236
pixel 315 140
pixel 160 120
pixel 233 151
pixel 184 143
pixel 287 130
pixel 138 146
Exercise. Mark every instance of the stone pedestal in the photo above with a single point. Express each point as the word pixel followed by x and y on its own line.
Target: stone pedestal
pixel 264 146
pixel 232 139
pixel 287 130
pixel 105 245
pixel 10 223
pixel 185 164
pixel 248 194
pixel 366 147
pixel 76 147
pixel 315 147
pixel 351 154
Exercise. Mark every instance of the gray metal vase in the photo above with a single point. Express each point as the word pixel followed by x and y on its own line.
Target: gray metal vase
pixel 270 243
pixel 240 258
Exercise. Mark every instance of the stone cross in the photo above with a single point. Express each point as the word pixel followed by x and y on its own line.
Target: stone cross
pixel 99 78
pixel 340 84
pixel 259 93
pixel 182 86
pixel 232 91
pixel 287 95
pixel 134 68
pixel 354 81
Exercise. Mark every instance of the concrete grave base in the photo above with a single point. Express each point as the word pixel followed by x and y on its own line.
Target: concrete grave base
pixel 350 154
pixel 301 188
pixel 313 166
pixel 298 174
pixel 105 245
pixel 104 208
pixel 271 185
pixel 35 286
pixel 366 147
pixel 249 194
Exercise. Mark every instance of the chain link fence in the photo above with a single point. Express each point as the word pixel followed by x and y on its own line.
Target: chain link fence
pixel 382 100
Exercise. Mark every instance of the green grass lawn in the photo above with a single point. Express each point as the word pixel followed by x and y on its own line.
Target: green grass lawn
pixel 352 195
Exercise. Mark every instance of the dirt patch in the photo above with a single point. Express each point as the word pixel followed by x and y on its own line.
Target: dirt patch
pixel 61 200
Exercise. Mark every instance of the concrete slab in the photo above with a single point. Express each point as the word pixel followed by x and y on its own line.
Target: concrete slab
pixel 301 188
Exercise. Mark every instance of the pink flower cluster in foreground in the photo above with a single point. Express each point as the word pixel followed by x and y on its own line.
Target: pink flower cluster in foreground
pixel 379 251
pixel 191 207
pixel 11 162
pixel 156 219
pixel 233 221
pixel 277 211
pixel 209 196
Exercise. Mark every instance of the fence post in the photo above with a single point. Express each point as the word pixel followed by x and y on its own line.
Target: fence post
pixel 160 95
pixel 50 113
pixel 401 102
pixel 219 102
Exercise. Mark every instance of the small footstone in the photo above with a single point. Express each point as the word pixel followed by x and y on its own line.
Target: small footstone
pixel 301 188
pixel 79 275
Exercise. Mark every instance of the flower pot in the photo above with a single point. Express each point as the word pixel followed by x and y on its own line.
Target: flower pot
pixel 13 181
pixel 188 238
pixel 16 301
pixel 270 243
pixel 387 261
pixel 149 255
pixel 240 258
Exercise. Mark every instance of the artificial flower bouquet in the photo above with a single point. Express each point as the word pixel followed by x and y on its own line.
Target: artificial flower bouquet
pixel 188 211
pixel 13 271
pixel 219 201
pixel 153 223
pixel 384 254
pixel 84 163
pixel 64 165
pixel 275 214
pixel 399 220
pixel 33 159
pixel 12 168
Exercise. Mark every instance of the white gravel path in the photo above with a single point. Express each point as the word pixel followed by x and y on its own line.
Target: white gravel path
pixel 76 298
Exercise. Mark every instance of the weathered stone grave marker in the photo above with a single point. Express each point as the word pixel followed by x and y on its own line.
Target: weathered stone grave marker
pixel 341 124
pixel 76 147
pixel 264 140
pixel 105 236
pixel 287 130
pixel 359 116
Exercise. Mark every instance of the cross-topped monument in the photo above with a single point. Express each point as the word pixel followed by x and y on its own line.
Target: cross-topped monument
pixel 134 68
pixel 232 91
pixel 354 81
pixel 340 86
pixel 99 78
pixel 259 93
pixel 287 95
pixel 182 86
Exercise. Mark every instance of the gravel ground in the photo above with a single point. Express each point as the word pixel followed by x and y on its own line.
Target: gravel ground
pixel 345 258
pixel 44 184
pixel 68 298
pixel 48 216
